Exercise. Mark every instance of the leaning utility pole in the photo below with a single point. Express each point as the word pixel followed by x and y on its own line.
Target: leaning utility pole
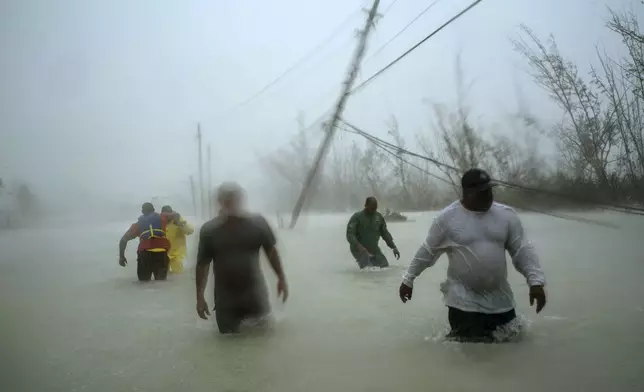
pixel 209 182
pixel 339 108
pixel 201 208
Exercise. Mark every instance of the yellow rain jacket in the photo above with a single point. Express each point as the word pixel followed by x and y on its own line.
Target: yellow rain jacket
pixel 177 236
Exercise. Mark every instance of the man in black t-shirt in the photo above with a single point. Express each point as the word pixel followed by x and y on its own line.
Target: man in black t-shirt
pixel 232 242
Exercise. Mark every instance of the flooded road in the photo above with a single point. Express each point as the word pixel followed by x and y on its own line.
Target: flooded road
pixel 73 320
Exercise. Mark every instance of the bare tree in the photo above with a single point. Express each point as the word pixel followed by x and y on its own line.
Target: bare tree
pixel 400 170
pixel 587 136
pixel 622 84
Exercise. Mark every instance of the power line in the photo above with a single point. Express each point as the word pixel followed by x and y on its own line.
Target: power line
pixel 555 215
pixel 292 68
pixel 423 12
pixel 394 153
pixel 299 62
pixel 391 64
pixel 372 77
pixel 399 150
pixel 389 7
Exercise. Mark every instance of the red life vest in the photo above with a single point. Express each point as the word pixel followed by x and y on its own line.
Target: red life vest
pixel 152 234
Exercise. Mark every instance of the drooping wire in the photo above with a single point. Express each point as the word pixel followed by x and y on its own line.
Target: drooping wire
pixel 552 214
pixel 399 150
pixel 395 154
pixel 423 12
pixel 302 60
pixel 408 51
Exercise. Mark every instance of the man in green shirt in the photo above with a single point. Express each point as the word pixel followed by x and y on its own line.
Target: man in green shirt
pixel 363 233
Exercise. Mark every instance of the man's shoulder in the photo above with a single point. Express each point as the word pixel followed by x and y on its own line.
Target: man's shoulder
pixel 211 225
pixel 217 222
pixel 357 215
pixel 258 220
pixel 504 210
pixel 379 217
pixel 448 211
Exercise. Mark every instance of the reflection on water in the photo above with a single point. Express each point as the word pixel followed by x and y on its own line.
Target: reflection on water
pixel 73 320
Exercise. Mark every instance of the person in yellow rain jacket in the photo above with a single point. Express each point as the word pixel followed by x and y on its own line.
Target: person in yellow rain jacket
pixel 176 233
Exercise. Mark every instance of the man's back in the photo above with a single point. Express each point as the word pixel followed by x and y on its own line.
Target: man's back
pixel 234 243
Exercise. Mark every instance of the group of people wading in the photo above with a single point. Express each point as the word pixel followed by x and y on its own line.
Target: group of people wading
pixel 475 232
pixel 162 242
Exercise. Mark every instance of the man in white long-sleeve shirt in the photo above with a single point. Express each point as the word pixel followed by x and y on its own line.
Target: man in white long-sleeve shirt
pixel 475 232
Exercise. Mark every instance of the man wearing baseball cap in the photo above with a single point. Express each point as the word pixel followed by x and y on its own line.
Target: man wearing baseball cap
pixel 476 232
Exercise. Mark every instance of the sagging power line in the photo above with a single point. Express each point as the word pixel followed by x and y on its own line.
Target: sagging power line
pixel 408 25
pixel 398 150
pixel 301 61
pixel 408 51
pixel 397 155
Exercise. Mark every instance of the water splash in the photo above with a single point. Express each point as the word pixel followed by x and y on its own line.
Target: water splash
pixel 375 269
pixel 515 331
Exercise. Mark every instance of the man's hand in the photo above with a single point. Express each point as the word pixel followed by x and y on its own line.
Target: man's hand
pixel 202 308
pixel 405 292
pixel 282 289
pixel 396 253
pixel 122 261
pixel 363 250
pixel 538 294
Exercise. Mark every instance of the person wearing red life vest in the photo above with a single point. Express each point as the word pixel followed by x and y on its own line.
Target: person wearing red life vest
pixel 152 252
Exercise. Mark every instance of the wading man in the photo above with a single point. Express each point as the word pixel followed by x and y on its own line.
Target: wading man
pixel 476 232
pixel 152 253
pixel 232 242
pixel 363 233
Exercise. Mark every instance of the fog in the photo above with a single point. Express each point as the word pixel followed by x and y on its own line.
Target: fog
pixel 101 108
pixel 100 101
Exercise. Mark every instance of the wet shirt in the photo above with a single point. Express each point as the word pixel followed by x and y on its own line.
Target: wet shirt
pixel 366 229
pixel 233 244
pixel 476 245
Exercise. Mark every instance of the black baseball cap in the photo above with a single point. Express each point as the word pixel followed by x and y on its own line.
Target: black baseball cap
pixel 476 180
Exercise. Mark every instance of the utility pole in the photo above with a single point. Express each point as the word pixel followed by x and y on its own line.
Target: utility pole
pixel 201 195
pixel 194 199
pixel 339 109
pixel 209 191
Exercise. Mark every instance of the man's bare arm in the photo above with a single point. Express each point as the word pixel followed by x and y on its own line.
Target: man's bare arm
pixel 276 262
pixel 205 256
pixel 202 278
pixel 386 235
pixel 127 237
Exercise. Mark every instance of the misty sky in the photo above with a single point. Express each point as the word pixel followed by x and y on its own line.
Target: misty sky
pixel 102 98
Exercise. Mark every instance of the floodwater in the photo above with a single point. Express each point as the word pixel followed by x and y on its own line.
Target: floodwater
pixel 73 320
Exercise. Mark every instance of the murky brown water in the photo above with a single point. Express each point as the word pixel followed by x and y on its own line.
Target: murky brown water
pixel 73 320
